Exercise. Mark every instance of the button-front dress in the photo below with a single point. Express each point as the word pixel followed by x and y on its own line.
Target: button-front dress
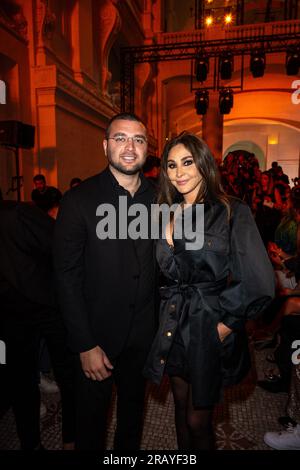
pixel 230 279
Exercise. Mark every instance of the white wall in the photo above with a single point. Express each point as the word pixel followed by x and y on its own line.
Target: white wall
pixel 285 151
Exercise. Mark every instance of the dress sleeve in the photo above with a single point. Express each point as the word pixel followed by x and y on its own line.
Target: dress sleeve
pixel 251 287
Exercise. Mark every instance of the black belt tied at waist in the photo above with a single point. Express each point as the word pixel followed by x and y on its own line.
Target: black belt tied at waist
pixel 187 307
pixel 176 296
pixel 208 287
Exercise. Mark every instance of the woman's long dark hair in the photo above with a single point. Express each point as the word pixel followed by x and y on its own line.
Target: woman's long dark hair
pixel 210 188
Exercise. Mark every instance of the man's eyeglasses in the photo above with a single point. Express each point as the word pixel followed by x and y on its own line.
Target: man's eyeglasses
pixel 122 140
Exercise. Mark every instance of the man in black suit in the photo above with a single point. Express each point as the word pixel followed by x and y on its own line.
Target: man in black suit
pixel 29 310
pixel 106 288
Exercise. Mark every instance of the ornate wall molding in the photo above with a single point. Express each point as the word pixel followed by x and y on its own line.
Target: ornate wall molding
pixel 80 92
pixel 51 78
pixel 109 25
pixel 45 22
pixel 13 19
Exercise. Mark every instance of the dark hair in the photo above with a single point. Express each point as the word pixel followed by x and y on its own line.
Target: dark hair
pixel 52 199
pixel 39 177
pixel 75 181
pixel 210 189
pixel 123 117
pixel 271 181
pixel 151 162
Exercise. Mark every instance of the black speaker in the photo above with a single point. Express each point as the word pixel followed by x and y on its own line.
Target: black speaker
pixel 16 134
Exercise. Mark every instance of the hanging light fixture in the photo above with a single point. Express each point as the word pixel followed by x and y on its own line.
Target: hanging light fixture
pixel 201 67
pixel 201 101
pixel 292 62
pixel 226 66
pixel 258 63
pixel 226 100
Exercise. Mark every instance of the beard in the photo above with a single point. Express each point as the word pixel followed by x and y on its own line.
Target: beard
pixel 122 168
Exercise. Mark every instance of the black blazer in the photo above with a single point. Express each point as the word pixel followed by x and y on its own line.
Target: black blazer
pixel 103 285
pixel 26 235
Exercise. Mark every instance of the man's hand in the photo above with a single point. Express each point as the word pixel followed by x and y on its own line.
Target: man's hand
pixel 95 364
pixel 223 331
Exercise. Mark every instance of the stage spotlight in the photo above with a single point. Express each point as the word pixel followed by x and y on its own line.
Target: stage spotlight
pixel 201 68
pixel 225 101
pixel 292 62
pixel 201 101
pixel 226 66
pixel 209 20
pixel 228 18
pixel 257 63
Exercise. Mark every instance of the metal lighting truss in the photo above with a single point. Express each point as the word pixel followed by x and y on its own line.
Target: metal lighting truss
pixel 239 46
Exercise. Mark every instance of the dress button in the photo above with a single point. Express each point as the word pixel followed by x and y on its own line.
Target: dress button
pixel 169 333
pixel 172 307
pixel 162 361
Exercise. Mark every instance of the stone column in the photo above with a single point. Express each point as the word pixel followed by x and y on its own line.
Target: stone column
pixel 212 126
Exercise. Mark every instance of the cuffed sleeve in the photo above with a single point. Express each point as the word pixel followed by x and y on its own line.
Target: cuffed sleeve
pixel 251 287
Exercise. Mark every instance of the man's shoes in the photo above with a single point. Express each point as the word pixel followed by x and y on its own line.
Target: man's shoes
pixel 47 385
pixel 40 448
pixel 274 386
pixel 287 422
pixel 286 440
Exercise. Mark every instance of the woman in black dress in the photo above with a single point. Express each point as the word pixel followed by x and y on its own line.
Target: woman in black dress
pixel 210 292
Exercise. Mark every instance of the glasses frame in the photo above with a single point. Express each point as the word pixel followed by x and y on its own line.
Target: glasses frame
pixel 145 141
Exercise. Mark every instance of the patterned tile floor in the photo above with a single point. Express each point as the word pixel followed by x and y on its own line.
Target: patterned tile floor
pixel 246 413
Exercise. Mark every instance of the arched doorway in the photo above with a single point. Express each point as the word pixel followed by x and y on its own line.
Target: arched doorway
pixel 251 147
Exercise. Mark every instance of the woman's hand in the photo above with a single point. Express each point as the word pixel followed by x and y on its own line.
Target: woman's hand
pixel 223 331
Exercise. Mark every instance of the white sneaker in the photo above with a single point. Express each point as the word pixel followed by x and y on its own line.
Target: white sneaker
pixel 47 385
pixel 43 410
pixel 285 440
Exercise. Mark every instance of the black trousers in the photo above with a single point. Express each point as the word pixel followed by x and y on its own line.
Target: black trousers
pixel 94 397
pixel 23 323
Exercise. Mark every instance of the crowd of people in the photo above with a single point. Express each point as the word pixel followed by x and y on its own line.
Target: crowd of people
pixel 276 208
pixel 108 317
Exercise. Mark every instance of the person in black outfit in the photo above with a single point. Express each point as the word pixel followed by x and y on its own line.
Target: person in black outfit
pixel 42 195
pixel 29 311
pixel 106 289
pixel 210 290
